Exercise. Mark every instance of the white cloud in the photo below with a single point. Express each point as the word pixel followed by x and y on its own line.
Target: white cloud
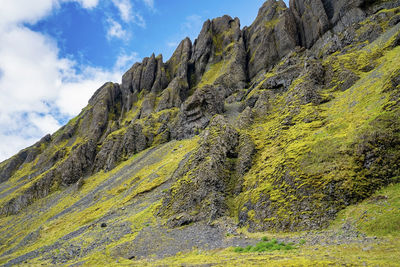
pixel 127 13
pixel 88 3
pixel 139 20
pixel 45 123
pixel 28 11
pixel 17 11
pixel 192 23
pixel 125 9
pixel 172 44
pixel 73 95
pixel 76 91
pixel 28 70
pixel 10 144
pixel 124 61
pixel 149 3
pixel 38 88
pixel 115 30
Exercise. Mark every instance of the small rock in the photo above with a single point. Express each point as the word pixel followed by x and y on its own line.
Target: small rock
pixel 103 225
pixel 367 248
pixel 131 257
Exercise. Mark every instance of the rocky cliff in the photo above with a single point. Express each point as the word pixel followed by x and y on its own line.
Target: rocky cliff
pixel 283 123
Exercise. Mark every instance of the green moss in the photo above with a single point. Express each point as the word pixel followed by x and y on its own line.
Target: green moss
pixel 302 150
pixel 135 109
pixel 349 254
pixel 212 74
pixel 317 149
pixel 378 215
pixel 218 40
pixel 271 23
pixel 147 178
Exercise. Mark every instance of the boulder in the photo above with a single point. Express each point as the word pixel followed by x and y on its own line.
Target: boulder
pixel 271 36
pixel 197 111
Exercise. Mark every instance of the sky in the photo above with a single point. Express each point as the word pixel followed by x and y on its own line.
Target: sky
pixel 54 54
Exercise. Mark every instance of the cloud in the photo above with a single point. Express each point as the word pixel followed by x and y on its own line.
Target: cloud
pixel 17 11
pixel 149 3
pixel 192 23
pixel 139 20
pixel 10 144
pixel 74 93
pixel 115 30
pixel 78 88
pixel 39 89
pixel 45 123
pixel 172 44
pixel 28 70
pixel 125 9
pixel 127 13
pixel 124 61
pixel 28 11
pixel 89 4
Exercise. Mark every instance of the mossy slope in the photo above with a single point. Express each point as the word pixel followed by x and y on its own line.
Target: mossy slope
pixel 315 159
pixel 317 132
pixel 125 199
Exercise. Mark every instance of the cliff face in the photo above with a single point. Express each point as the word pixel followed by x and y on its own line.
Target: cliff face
pixel 295 116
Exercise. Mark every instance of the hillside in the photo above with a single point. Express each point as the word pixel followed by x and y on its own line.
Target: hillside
pixel 287 128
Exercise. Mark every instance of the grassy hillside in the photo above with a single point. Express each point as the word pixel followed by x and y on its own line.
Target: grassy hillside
pixel 376 217
pixel 313 160
pixel 125 198
pixel 299 167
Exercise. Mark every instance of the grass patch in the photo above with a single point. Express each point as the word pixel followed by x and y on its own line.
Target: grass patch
pixel 265 245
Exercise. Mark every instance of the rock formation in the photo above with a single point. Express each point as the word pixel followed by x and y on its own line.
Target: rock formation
pixel 281 69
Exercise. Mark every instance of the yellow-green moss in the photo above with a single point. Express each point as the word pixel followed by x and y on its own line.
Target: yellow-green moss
pixel 384 254
pixel 272 23
pixel 317 148
pixel 146 179
pixel 378 215
pixel 212 74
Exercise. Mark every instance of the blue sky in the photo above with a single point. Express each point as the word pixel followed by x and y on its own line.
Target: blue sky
pixel 56 53
pixel 151 27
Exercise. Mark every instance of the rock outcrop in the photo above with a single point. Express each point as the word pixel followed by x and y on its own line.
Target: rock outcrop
pixel 198 109
pixel 271 37
pixel 220 51
pixel 203 183
pixel 179 73
pixel 9 167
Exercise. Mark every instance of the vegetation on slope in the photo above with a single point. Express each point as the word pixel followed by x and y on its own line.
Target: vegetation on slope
pixel 376 216
pixel 317 132
pixel 313 160
pixel 73 217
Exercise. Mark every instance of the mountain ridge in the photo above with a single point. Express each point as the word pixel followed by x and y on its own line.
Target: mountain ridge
pixel 174 79
pixel 284 123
